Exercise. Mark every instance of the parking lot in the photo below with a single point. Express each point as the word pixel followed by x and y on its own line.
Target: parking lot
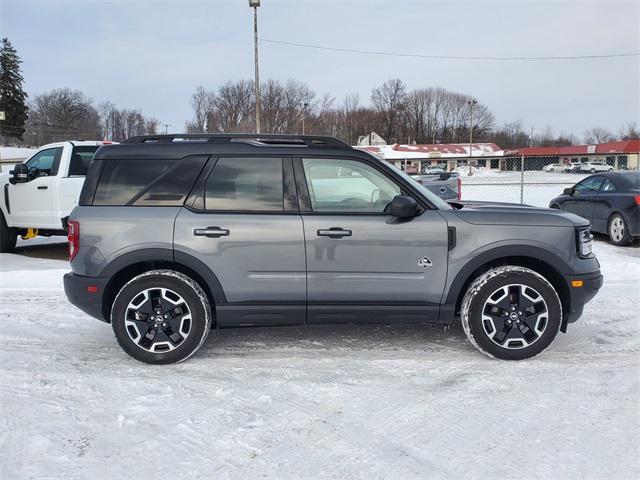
pixel 323 402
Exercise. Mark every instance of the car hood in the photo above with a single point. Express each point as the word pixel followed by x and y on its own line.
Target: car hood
pixel 494 213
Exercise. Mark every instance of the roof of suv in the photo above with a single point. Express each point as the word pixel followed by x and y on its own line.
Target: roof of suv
pixel 179 145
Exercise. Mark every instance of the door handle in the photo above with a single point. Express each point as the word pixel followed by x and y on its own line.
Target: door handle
pixel 211 232
pixel 334 232
pixel 42 187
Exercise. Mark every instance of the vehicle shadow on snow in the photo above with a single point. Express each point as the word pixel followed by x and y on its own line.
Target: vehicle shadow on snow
pixel 336 338
pixel 51 251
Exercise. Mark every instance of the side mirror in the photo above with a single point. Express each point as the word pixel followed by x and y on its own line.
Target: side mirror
pixel 568 191
pixel 19 174
pixel 404 207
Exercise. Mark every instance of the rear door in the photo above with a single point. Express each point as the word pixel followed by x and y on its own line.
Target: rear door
pixel 603 202
pixel 246 227
pixel 362 263
pixel 582 201
pixel 30 202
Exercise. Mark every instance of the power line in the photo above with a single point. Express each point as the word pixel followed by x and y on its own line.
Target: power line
pixel 448 57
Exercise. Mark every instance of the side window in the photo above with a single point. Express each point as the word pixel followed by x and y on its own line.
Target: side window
pixel 122 181
pixel 45 163
pixel 245 184
pixel 81 159
pixel 607 186
pixel 347 186
pixel 589 185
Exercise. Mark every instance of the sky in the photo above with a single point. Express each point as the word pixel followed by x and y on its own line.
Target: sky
pixel 151 54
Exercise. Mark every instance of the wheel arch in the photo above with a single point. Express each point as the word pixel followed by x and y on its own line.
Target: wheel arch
pixel 128 266
pixel 543 262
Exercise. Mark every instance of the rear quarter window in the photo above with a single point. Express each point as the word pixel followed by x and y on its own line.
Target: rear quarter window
pixel 147 182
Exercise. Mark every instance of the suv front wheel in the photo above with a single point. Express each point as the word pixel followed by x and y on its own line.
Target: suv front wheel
pixel 161 317
pixel 511 313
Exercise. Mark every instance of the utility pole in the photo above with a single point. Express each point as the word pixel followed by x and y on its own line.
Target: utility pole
pixel 255 4
pixel 166 127
pixel 304 106
pixel 471 103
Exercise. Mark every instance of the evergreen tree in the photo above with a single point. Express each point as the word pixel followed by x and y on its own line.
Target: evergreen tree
pixel 12 96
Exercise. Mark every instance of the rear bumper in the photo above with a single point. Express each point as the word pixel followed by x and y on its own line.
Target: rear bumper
pixel 591 283
pixel 76 287
pixel 633 222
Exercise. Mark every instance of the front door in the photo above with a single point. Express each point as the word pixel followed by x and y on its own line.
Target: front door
pixel 362 263
pixel 581 202
pixel 249 233
pixel 30 202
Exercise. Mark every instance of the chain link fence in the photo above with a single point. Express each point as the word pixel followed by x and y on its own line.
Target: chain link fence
pixel 529 180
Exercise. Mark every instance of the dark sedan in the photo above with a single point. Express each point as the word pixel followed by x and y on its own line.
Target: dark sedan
pixel 610 200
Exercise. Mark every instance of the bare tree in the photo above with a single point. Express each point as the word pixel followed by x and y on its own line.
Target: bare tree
pixel 234 105
pixel 280 105
pixel 598 135
pixel 629 131
pixel 120 124
pixel 201 102
pixel 389 101
pixel 63 114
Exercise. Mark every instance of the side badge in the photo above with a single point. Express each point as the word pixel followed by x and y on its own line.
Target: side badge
pixel 425 262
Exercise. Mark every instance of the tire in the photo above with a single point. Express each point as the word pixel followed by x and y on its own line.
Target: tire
pixel 494 328
pixel 552 170
pixel 161 317
pixel 593 170
pixel 8 236
pixel 618 230
pixel 554 206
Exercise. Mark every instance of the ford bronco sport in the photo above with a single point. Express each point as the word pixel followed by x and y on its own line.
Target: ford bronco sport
pixel 177 234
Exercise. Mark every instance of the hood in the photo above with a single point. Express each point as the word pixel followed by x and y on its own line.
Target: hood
pixel 494 213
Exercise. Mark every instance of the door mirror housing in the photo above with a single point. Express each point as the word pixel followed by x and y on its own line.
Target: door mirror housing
pixel 404 207
pixel 19 174
pixel 568 191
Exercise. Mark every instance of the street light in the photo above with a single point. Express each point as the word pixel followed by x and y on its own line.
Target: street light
pixel 303 106
pixel 255 4
pixel 472 103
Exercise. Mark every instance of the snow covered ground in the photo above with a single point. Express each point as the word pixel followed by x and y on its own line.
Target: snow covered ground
pixel 369 402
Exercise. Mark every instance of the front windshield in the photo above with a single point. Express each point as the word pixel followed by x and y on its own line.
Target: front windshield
pixel 433 198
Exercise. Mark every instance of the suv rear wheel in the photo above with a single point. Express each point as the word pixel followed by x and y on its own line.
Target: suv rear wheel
pixel 161 317
pixel 511 313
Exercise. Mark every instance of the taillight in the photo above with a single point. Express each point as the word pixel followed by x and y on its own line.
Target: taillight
pixel 637 199
pixel 73 236
pixel 459 189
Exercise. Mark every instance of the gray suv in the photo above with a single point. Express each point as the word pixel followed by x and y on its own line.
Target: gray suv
pixel 177 234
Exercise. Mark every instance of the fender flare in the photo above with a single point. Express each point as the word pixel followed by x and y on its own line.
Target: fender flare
pixel 167 255
pixel 496 253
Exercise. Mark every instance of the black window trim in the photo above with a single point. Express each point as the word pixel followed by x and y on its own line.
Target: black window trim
pixel 305 200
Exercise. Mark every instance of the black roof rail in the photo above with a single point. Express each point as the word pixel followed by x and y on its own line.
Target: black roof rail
pixel 262 138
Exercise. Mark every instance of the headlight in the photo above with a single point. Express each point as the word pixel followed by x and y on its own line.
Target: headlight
pixel 585 242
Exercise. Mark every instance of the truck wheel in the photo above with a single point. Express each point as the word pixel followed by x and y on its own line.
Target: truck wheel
pixel 618 231
pixel 8 236
pixel 161 317
pixel 511 313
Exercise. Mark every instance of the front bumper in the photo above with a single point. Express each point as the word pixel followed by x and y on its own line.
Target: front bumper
pixel 591 283
pixel 86 293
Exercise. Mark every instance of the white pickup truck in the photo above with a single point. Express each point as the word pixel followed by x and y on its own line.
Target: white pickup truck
pixel 39 194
